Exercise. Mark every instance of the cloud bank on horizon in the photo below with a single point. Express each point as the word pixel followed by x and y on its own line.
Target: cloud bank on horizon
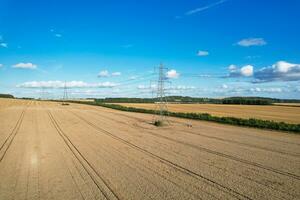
pixel 280 71
pixel 61 84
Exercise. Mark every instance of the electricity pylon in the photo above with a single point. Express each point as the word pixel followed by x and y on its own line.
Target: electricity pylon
pixel 161 108
pixel 65 98
pixel 43 96
pixel 43 93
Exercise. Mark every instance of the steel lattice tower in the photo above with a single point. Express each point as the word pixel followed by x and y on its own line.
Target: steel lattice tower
pixel 161 108
pixel 65 98
pixel 43 94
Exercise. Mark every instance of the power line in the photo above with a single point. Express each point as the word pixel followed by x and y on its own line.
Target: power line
pixel 43 94
pixel 136 78
pixel 135 81
pixel 204 75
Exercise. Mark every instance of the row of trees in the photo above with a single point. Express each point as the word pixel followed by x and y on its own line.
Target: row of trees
pixel 246 101
pixel 125 100
pixel 173 99
pixel 256 123
pixel 6 96
pixel 186 99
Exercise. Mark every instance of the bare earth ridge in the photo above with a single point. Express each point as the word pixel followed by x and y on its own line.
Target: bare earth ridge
pixel 50 151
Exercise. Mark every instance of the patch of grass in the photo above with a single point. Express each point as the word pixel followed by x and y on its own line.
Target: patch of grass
pixel 158 123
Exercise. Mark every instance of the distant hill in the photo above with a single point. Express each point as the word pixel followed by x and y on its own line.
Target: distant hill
pixel 187 99
pixel 6 96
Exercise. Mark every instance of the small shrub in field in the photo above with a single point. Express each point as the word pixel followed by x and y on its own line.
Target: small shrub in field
pixel 158 123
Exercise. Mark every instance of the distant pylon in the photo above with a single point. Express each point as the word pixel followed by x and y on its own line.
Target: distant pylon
pixel 65 98
pixel 43 94
pixel 161 108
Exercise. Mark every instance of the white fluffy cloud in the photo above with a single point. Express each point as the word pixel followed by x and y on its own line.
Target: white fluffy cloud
pixel 105 73
pixel 202 53
pixel 4 45
pixel 280 71
pixel 246 90
pixel 284 67
pixel 266 90
pixel 61 84
pixel 252 42
pixel 172 74
pixel 245 71
pixel 232 68
pixel 25 66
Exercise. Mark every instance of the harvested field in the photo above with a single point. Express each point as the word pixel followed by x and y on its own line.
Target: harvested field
pixel 49 151
pixel 288 114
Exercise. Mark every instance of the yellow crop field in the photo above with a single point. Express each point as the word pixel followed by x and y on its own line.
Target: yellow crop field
pixel 50 151
pixel 289 114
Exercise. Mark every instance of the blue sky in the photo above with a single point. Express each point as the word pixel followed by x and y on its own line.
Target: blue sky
pixel 212 48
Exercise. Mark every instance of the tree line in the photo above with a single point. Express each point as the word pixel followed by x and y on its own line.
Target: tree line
pixel 187 99
pixel 251 122
pixel 6 96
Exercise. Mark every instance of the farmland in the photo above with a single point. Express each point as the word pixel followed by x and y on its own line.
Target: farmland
pixel 50 151
pixel 282 113
pixel 289 104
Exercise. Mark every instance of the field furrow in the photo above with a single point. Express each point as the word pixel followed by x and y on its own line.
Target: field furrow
pixel 50 151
